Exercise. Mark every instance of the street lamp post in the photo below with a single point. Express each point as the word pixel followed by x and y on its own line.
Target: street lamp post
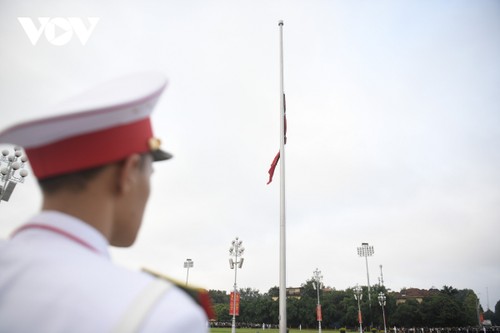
pixel 235 250
pixel 381 301
pixel 11 171
pixel 317 277
pixel 358 295
pixel 188 264
pixel 366 251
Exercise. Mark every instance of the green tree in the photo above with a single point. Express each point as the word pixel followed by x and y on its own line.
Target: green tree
pixel 331 315
pixel 349 306
pixel 468 302
pixel 442 310
pixel 272 305
pixel 249 303
pixel 307 303
pixel 448 308
pixel 407 314
pixel 489 315
pixel 496 318
pixel 293 312
pixel 265 310
pixel 274 292
pixel 218 296
pixel 449 290
pixel 390 308
pixel 222 312
pixel 220 301
pixel 339 303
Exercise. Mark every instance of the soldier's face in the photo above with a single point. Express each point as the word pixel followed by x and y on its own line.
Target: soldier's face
pixel 131 208
pixel 143 188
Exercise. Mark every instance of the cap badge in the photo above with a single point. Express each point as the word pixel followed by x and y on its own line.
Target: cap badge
pixel 154 143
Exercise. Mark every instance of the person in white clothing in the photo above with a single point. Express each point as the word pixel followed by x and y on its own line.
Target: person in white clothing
pixel 93 164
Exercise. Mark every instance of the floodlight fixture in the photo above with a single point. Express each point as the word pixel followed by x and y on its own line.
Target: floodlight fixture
pixel 12 171
pixel 188 264
pixel 366 250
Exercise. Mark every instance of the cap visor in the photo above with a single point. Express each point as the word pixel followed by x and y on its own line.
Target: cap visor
pixel 160 155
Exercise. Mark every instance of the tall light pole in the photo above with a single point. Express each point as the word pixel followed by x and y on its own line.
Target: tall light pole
pixel 11 171
pixel 358 295
pixel 366 251
pixel 317 277
pixel 381 276
pixel 236 250
pixel 381 301
pixel 188 264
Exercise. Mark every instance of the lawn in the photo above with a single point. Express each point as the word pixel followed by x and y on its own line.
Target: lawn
pixel 259 330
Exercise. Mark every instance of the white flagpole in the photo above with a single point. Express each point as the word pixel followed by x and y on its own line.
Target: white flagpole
pixel 282 297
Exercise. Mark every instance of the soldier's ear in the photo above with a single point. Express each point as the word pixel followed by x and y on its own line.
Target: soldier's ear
pixel 127 173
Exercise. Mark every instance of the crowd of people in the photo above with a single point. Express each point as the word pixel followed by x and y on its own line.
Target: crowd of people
pixel 470 329
pixel 477 329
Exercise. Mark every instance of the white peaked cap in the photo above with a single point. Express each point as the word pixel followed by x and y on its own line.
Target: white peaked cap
pixel 102 125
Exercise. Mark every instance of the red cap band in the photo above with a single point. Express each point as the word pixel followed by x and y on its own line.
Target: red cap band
pixel 90 150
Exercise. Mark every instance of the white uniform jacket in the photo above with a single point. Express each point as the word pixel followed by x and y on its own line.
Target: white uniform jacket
pixel 56 277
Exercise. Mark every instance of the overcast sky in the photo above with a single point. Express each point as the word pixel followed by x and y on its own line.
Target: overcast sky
pixel 393 133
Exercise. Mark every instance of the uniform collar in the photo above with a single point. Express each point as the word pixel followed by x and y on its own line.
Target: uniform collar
pixel 76 230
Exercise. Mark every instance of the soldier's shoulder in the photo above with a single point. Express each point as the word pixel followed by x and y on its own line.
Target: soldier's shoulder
pixel 198 294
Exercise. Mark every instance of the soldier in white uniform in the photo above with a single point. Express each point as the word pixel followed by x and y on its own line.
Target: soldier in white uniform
pixel 94 166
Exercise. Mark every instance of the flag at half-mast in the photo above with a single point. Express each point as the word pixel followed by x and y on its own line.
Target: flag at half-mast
pixel 277 157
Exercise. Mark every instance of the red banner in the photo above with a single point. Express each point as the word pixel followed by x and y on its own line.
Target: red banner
pixel 233 306
pixel 318 312
pixel 360 319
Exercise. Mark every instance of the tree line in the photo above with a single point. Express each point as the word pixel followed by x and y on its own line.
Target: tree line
pixel 447 307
